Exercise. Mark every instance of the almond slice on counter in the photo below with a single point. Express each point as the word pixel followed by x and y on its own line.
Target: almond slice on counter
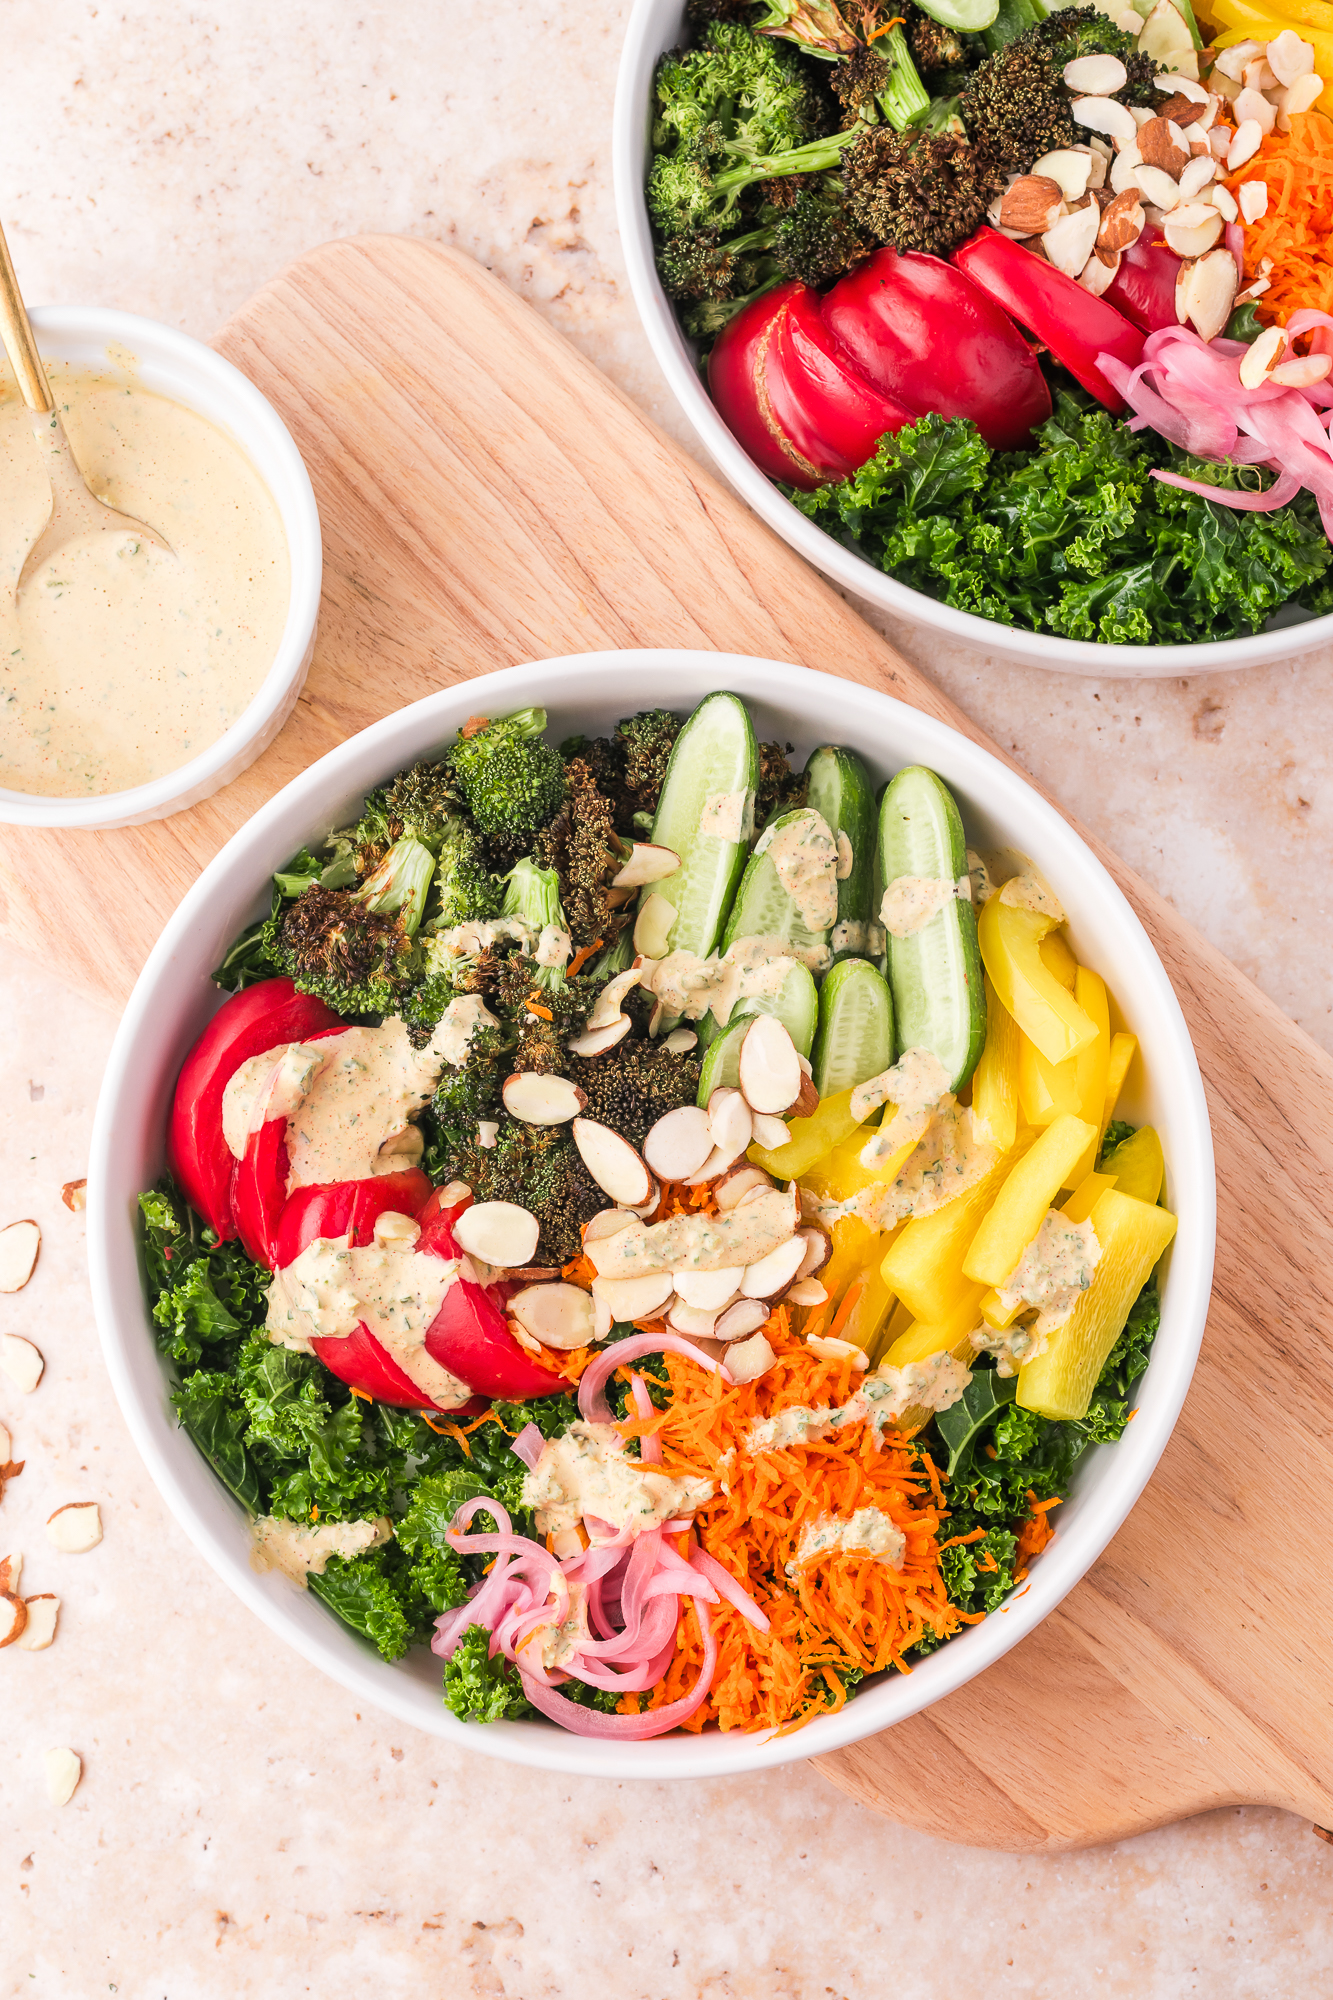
pixel 678 1144
pixel 652 929
pixel 11 1572
pixel 558 1315
pixel 614 1164
pixel 1032 204
pixel 596 1041
pixel 497 1232
pixel 538 1099
pixel 40 1628
pixel 76 1527
pixel 746 1316
pixel 21 1361
pixel 64 1768
pixel 20 1246
pixel 770 1070
pixel 770 1277
pixel 709 1291
pixel 13 1618
pixel 634 1298
pixel 647 863
pixel 74 1194
pixel 731 1121
pixel 742 1180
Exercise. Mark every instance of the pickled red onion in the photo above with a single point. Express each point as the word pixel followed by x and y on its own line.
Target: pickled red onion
pixel 593 1404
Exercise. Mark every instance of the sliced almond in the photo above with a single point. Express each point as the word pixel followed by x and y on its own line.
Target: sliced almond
pixel 1252 107
pixel 541 1100
pixel 1206 291
pixel 1123 169
pixel 694 1320
pixel 806 1292
pixel 818 1250
pixel 1220 141
pixel 1223 201
pixel 13 1618
pixel 742 1180
pixel 607 1222
pixel 1095 76
pixel 76 1527
pixel 1157 187
pixel 1163 144
pixel 557 1315
pixel 770 1070
pixel 680 1041
pixel 1122 222
pixel 1069 169
pixel 74 1194
pixel 1233 62
pixel 652 929
pixel 1165 38
pixel 1105 114
pixel 748 1359
pixel 488 1131
pixel 63 1771
pixel 1099 273
pixel 634 1298
pixel 1031 204
pixel 1253 199
pixel 606 1007
pixel 770 1277
pixel 391 1227
pixel 1184 111
pixel 1262 356
pixel 807 1099
pixel 731 1122
pixel 647 863
pixel 498 1232
pixel 40 1628
pixel 601 1318
pixel 1197 176
pixel 1302 95
pixel 20 1245
pixel 21 1361
pixel 11 1573
pixel 1192 229
pixel 613 1163
pixel 716 1164
pixel 1260 76
pixel 679 1143
pixel 596 1041
pixel 746 1316
pixel 1249 137
pixel 1302 372
pixel 1289 56
pixel 829 1348
pixel 770 1132
pixel 710 1291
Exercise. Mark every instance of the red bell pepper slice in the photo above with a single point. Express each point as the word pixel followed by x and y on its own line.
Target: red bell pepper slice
pixel 470 1335
pixel 927 335
pixel 262 1017
pixel 259 1191
pixel 1075 326
pixel 347 1208
pixel 791 397
pixel 1144 287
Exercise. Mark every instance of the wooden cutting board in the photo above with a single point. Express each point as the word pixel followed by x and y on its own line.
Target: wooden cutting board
pixel 488 497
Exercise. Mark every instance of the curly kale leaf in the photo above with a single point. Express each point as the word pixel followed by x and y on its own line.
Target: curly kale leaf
pixel 368 1599
pixel 209 1406
pixel 478 1688
pixel 204 1295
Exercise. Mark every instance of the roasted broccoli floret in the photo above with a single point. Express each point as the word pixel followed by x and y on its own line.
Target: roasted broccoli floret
pixel 937 51
pixel 633 1085
pixel 512 781
pixel 780 789
pixel 471 1092
pixel 1017 106
pixel 355 959
pixel 532 894
pixel 537 1167
pixel 697 265
pixel 582 846
pixel 816 238
pixel 918 193
pixel 648 739
pixel 400 884
pixel 874 76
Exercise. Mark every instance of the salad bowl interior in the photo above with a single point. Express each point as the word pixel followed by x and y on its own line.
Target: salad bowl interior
pixel 657 25
pixel 174 998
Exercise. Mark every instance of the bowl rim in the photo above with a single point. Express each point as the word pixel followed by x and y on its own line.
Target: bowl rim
pixel 251 419
pixel 600 680
pixel 674 355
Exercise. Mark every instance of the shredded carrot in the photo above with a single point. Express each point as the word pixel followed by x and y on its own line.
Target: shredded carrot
pixel 961 1541
pixel 474 725
pixel 1034 1533
pixel 1297 231
pixel 452 1430
pixel 581 957
pixel 844 1312
pixel 580 1271
pixel 363 1396
pixel 314 1513
pixel 534 1006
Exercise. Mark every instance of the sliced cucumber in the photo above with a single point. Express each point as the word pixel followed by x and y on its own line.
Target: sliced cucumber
pixel 764 908
pixel 969 17
pixel 795 1004
pixel 877 942
pixel 722 1064
pixel 935 973
pixel 840 791
pixel 715 759
pixel 855 1038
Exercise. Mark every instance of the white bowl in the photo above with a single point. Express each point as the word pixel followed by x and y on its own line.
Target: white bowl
pixel 655 25
pixel 174 365
pixel 174 998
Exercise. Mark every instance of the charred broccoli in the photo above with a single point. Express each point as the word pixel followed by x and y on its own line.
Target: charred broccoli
pixel 937 51
pixel 532 894
pixel 648 739
pixel 920 193
pixel 470 1093
pixel 780 789
pixel 355 959
pixel 1016 106
pixel 538 1168
pixel 874 76
pixel 581 844
pixel 633 1085
pixel 511 780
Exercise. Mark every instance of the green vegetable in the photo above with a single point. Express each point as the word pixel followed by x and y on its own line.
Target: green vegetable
pixel 532 894
pixel 840 791
pixel 715 757
pixel 512 781
pixel 967 17
pixel 582 845
pixel 478 1688
pixel 764 908
pixel 981 1402
pixel 1115 1135
pixel 874 76
pixel 1076 536
pixel 634 1084
pixel 918 191
pixel 939 1000
pixel 1017 107
pixel 855 1038
pixel 1245 323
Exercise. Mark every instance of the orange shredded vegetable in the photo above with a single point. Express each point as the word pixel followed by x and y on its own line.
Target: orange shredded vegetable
pixel 1034 1534
pixel 841 1613
pixel 1297 231
pixel 534 1006
pixel 581 957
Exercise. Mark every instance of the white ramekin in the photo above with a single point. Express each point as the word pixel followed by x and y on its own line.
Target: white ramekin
pixel 174 365
pixel 655 25
pixel 174 998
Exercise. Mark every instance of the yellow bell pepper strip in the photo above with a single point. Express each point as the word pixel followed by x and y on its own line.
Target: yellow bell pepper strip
pixel 1092 1064
pixel 1138 1165
pixel 1088 1193
pixel 1046 1090
pixel 926 1337
pixel 893 1328
pixel 995 1078
pixel 1028 1191
pixel 809 1139
pixel 1045 1010
pixel 1059 1383
pixel 999 1317
pixel 925 1264
pixel 1124 1048
pixel 869 1310
pixel 842 1173
pixel 1059 959
pixel 855 1243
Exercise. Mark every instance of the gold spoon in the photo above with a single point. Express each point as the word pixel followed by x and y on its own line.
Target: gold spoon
pixel 75 508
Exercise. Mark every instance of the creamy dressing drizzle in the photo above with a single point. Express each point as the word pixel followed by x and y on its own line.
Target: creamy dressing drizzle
pixel 1053 1272
pixel 470 940
pixel 805 859
pixel 916 1083
pixel 553 947
pixel 727 816
pixel 867 1532
pixel 586 1475
pixel 126 660
pixel 330 1289
pixel 300 1550
pixel 911 901
pixel 881 1400
pixel 950 1157
pixel 850 936
pixel 685 984
pixel 1027 891
pixel 458 1024
pixel 697 1242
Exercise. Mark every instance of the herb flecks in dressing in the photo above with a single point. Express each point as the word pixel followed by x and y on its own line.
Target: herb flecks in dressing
pixel 727 816
pixel 685 984
pixel 805 858
pixel 912 901
pixel 867 1532
pixel 300 1550
pixel 916 1083
pixel 1053 1272
pixel 125 660
pixel 586 1474
pixel 882 1400
pixel 331 1289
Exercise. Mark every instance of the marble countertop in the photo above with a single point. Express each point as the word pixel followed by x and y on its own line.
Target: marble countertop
pixel 240 1828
